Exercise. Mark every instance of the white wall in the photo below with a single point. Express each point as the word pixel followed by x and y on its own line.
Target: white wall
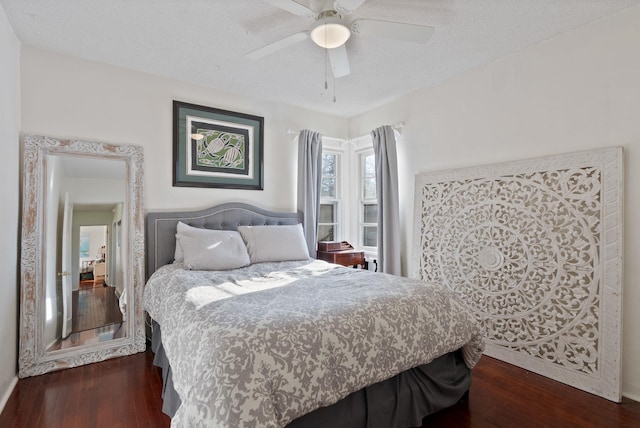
pixel 577 92
pixel 66 97
pixel 72 98
pixel 9 194
pixel 87 191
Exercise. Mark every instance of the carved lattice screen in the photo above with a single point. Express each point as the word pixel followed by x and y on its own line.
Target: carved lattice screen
pixel 535 249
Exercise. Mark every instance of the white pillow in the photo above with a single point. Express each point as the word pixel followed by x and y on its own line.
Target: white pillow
pixel 274 243
pixel 178 257
pixel 213 250
pixel 185 229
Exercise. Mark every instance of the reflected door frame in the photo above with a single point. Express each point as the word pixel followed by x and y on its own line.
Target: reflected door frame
pixel 67 284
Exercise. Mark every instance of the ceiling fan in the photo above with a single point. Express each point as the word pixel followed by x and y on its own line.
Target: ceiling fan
pixel 331 30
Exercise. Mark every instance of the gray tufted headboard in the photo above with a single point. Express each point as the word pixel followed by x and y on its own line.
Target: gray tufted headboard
pixel 161 226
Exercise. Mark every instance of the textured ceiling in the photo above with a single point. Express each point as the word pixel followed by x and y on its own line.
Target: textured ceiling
pixel 204 42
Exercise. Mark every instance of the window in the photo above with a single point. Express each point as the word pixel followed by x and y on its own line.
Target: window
pixel 368 205
pixel 348 203
pixel 328 217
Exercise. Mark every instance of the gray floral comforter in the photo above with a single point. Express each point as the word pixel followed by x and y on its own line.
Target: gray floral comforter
pixel 263 345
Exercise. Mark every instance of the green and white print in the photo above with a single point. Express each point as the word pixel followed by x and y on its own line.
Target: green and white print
pixel 219 149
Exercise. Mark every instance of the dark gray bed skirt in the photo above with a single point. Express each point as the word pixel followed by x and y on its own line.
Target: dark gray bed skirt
pixel 400 402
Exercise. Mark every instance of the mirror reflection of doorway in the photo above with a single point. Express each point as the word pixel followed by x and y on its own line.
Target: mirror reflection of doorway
pixel 95 289
pixel 93 256
pixel 95 303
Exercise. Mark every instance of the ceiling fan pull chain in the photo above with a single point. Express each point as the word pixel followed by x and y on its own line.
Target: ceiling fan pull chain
pixel 326 85
pixel 334 85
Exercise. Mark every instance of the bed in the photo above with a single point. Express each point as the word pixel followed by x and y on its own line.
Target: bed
pixel 297 343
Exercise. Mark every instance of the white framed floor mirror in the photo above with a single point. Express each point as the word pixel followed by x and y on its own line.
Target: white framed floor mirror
pixel 67 184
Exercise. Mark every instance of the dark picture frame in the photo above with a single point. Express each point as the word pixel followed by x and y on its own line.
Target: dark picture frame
pixel 217 148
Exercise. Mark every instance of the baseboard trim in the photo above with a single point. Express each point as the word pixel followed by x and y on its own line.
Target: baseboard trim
pixel 631 391
pixel 7 393
pixel 634 397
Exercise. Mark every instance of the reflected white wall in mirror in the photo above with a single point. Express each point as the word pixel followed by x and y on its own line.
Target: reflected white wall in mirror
pixel 69 184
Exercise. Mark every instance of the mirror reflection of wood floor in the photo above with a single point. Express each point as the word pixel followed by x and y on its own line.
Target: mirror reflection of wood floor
pixel 96 316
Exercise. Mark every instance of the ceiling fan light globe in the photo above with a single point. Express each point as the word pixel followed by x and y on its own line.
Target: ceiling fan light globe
pixel 330 33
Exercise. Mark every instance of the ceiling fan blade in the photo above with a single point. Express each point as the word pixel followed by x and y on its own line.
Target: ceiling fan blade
pixel 276 46
pixel 292 7
pixel 320 5
pixel 339 61
pixel 345 7
pixel 393 30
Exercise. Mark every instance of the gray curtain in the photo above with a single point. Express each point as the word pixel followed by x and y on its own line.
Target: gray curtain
pixel 309 176
pixel 384 147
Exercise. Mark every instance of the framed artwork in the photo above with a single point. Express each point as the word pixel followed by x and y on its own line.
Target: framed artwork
pixel 216 148
pixel 535 249
pixel 84 245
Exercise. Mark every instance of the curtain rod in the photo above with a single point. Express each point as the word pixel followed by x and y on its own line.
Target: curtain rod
pixel 398 127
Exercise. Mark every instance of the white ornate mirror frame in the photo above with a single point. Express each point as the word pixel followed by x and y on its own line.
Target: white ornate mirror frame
pixel 34 359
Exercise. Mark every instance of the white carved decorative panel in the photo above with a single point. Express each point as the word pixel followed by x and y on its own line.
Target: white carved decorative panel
pixel 535 249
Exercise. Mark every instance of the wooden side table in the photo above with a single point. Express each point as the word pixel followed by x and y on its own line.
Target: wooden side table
pixel 345 257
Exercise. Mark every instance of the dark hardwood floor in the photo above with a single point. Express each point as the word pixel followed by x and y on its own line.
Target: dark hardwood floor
pixel 503 395
pixel 94 307
pixel 122 392
pixel 96 316
pixel 125 392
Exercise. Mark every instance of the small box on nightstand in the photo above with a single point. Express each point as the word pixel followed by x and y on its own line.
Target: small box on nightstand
pixel 341 253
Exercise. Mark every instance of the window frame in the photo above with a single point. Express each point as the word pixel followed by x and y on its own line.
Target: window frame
pixel 361 155
pixel 334 147
pixel 349 191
